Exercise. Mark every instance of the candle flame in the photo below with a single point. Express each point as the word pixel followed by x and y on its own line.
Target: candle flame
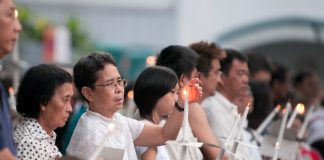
pixel 11 90
pixel 130 94
pixel 249 104
pixel 284 111
pixel 300 108
pixel 278 107
pixel 185 92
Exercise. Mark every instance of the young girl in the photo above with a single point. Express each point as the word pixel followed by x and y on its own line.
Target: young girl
pixel 155 94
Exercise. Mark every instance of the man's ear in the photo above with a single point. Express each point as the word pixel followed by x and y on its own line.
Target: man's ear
pixel 222 79
pixel 183 80
pixel 87 93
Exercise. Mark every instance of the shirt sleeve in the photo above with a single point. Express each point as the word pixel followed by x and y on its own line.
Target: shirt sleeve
pixel 135 126
pixel 140 150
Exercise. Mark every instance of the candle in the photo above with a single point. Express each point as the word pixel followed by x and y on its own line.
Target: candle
pixel 228 138
pixel 298 110
pixel 266 122
pixel 275 155
pixel 302 129
pixel 281 131
pixel 97 151
pixel 185 122
pixel 240 129
pixel 12 101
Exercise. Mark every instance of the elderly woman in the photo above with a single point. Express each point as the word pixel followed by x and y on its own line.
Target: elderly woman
pixel 43 100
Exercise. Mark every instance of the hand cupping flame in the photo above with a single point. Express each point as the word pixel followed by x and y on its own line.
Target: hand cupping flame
pixel 193 91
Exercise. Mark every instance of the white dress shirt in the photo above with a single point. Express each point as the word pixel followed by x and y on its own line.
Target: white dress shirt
pixel 221 115
pixel 33 143
pixel 92 128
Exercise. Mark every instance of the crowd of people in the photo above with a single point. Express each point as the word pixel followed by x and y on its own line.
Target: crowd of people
pixel 222 83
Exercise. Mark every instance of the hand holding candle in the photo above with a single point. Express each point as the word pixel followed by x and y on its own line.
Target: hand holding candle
pixel 193 89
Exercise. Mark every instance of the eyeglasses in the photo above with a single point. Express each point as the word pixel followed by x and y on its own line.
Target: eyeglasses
pixel 113 85
pixel 13 15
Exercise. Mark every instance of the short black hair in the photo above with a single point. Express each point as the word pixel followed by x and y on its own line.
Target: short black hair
pixel 231 55
pixel 182 60
pixel 279 74
pixel 38 87
pixel 301 75
pixel 85 70
pixel 207 52
pixel 152 84
pixel 258 62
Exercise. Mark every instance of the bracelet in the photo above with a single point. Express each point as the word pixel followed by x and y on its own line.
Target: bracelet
pixel 180 109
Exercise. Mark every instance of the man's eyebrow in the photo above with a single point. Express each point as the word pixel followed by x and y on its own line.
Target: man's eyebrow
pixel 112 79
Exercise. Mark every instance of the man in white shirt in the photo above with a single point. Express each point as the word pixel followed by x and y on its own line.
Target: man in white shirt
pixel 220 109
pixel 100 84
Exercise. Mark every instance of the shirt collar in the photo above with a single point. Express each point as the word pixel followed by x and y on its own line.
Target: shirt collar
pixel 36 129
pixel 229 106
pixel 101 117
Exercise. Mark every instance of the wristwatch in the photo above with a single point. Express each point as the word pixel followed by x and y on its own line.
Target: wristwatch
pixel 180 109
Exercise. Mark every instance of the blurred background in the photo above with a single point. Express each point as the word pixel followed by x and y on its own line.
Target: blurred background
pixel 61 31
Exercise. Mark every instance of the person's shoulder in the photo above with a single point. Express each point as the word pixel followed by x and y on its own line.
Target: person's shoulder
pixel 85 124
pixel 21 132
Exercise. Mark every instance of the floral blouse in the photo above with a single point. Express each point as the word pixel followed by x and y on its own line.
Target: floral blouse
pixel 33 143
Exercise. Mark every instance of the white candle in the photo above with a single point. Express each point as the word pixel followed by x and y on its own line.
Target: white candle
pixel 298 109
pixel 231 133
pixel 97 151
pixel 240 129
pixel 302 129
pixel 281 131
pixel 185 122
pixel 275 154
pixel 12 101
pixel 266 122
pixel 228 138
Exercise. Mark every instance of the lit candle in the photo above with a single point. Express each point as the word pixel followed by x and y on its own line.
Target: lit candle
pixel 97 151
pixel 240 129
pixel 12 101
pixel 228 138
pixel 302 129
pixel 281 132
pixel 298 110
pixel 185 122
pixel 266 122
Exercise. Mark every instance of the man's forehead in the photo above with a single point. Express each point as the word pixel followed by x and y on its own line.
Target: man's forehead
pixel 108 73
